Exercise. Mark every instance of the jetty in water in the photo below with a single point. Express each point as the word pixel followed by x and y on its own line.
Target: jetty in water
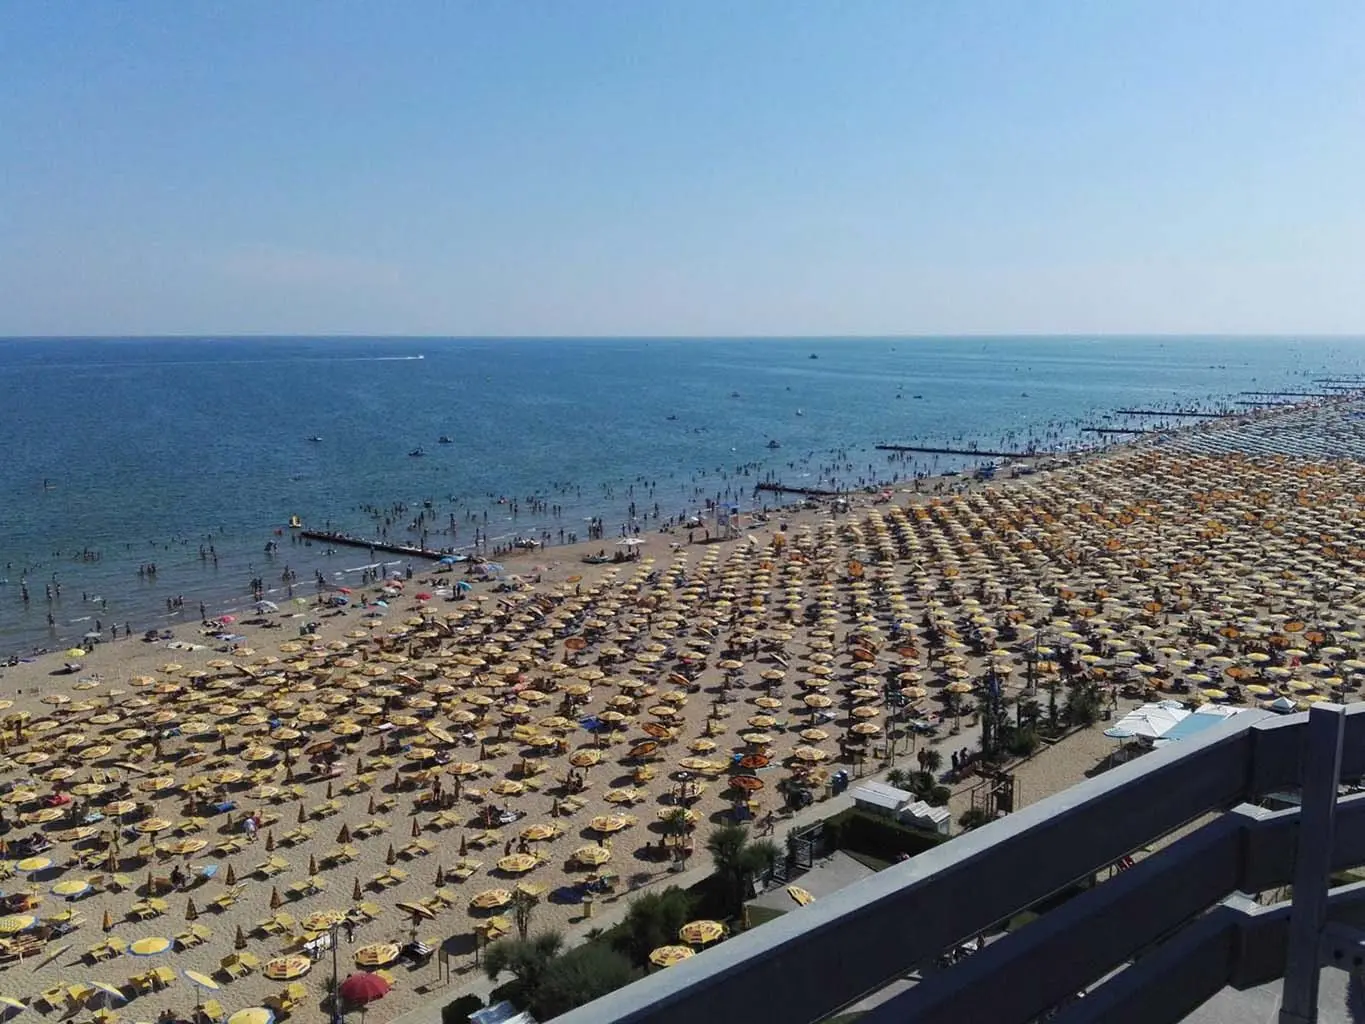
pixel 1288 394
pixel 1113 430
pixel 811 492
pixel 980 453
pixel 1173 413
pixel 348 540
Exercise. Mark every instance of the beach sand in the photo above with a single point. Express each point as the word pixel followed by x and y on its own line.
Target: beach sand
pixel 1120 566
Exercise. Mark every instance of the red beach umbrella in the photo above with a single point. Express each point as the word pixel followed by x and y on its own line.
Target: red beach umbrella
pixel 362 988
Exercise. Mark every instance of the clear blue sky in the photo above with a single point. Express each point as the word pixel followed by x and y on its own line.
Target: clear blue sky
pixel 689 167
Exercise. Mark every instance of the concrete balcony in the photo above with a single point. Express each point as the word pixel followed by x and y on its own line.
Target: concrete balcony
pixel 1150 944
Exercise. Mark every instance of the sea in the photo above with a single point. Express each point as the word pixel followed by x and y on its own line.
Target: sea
pixel 192 454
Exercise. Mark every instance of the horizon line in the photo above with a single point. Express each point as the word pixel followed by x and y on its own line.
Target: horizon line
pixel 964 336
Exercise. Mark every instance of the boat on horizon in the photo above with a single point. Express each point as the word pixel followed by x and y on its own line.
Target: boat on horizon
pixel 445 439
pixel 316 439
pixel 774 443
pixel 416 453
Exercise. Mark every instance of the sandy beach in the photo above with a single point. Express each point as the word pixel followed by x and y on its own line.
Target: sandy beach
pixel 436 752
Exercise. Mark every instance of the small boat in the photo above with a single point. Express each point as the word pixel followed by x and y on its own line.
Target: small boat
pixel 316 439
pixel 814 356
pixel 445 439
pixel 671 417
pixel 800 412
pixel 734 394
pixel 416 453
pixel 295 523
pixel 774 444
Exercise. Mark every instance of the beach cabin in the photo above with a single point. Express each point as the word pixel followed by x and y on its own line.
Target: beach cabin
pixel 889 802
pixel 881 799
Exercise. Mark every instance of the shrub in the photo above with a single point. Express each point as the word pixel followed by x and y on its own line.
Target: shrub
pixel 458 1011
pixel 973 817
pixel 580 976
pixel 1024 742
pixel 876 836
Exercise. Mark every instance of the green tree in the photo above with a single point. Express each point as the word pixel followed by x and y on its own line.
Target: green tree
pixel 738 860
pixel 525 959
pixel 933 761
pixel 652 920
pixel 579 976
pixel 898 777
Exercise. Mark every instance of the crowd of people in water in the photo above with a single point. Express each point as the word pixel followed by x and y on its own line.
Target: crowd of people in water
pixel 465 527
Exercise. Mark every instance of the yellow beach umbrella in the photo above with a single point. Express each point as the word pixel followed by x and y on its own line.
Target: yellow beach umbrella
pixel 69 887
pixel 701 933
pixel 667 956
pixel 517 863
pixel 252 1015
pixel 34 863
pixel 202 980
pixel 285 968
pixel 491 898
pixel 152 945
pixel 592 856
pixel 16 923
pixel 380 953
pixel 799 894
pixel 110 990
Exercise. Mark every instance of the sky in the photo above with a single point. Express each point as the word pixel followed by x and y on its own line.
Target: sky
pixel 682 167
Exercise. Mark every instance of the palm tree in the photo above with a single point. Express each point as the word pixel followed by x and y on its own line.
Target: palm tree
pixel 898 777
pixel 738 860
pixel 933 761
pixel 523 906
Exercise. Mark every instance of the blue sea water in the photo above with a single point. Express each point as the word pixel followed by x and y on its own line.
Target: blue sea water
pixel 145 449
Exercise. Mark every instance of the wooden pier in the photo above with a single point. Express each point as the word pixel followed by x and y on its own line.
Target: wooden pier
pixel 1113 430
pixel 1286 394
pixel 347 540
pixel 980 453
pixel 809 492
pixel 1171 413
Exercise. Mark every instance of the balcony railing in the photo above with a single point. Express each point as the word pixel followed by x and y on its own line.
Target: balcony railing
pixel 1175 927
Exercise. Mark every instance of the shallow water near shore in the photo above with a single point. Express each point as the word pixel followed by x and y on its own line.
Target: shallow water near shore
pixel 145 450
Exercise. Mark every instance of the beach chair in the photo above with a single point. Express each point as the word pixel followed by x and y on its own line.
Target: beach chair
pixel 231 967
pixel 141 983
pixel 212 1011
pixel 52 998
pixel 163 976
pixel 249 961
pixel 367 911
pixel 77 994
